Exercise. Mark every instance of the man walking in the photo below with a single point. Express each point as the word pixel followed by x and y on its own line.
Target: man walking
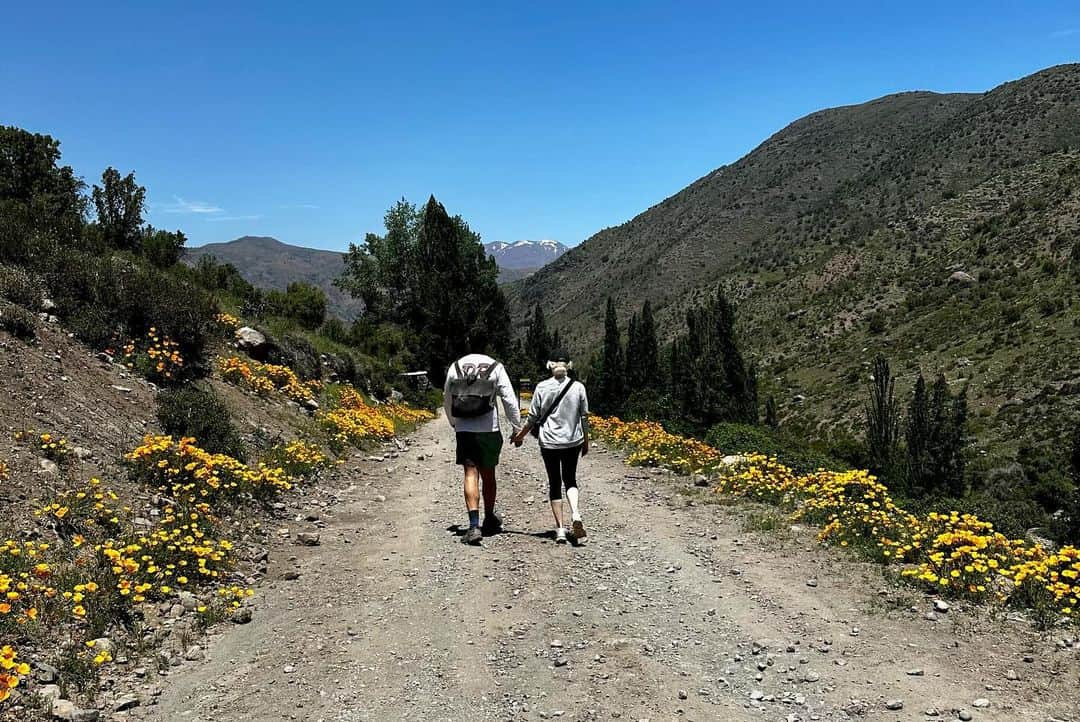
pixel 473 383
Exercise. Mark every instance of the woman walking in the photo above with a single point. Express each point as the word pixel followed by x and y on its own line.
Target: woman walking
pixel 559 419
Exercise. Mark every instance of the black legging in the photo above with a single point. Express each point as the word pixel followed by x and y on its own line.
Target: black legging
pixel 561 465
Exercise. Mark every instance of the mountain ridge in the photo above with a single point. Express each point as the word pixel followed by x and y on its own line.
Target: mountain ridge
pixel 847 213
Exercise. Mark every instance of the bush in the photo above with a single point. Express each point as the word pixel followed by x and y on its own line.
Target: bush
pixel 17 321
pixel 127 299
pixel 201 413
pixel 731 438
pixel 21 287
pixel 296 352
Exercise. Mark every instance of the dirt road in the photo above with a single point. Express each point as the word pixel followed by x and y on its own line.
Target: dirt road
pixel 674 611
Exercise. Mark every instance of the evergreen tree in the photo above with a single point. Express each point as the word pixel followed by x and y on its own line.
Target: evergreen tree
pixel 612 389
pixel 556 340
pixel 948 422
pixel 538 341
pixel 740 382
pixel 119 203
pixel 917 434
pixel 648 350
pixel 634 380
pixel 772 416
pixel 1074 456
pixel 882 421
pixel 430 275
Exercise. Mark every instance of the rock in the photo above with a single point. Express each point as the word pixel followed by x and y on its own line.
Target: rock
pixel 560 661
pixel 291 575
pixel 49 692
pixel 104 644
pixel 701 480
pixel 242 616
pixel 798 399
pixel 121 389
pixel 962 278
pixel 811 677
pixel 683 694
pixel 964 715
pixel 757 695
pixel 981 702
pixel 66 710
pixel 941 605
pixel 251 342
pixel 311 404
pixel 916 672
pixel 894 704
pixel 195 654
pixel 307 539
pixel 47 304
pixel 46 673
pixel 811 582
pixel 48 467
pixel 189 601
pixel 128 701
pixel 732 459
pixel 1012 676
pixel 82 454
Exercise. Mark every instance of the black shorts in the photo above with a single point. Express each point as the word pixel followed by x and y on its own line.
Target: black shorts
pixel 479 448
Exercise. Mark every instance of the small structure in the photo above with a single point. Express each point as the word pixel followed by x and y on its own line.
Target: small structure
pixel 417 380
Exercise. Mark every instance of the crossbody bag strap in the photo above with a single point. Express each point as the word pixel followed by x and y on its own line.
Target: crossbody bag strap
pixel 554 404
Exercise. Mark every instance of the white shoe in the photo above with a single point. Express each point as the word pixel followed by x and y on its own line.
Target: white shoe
pixel 560 535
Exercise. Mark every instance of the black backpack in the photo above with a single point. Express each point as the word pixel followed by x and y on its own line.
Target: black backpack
pixel 473 394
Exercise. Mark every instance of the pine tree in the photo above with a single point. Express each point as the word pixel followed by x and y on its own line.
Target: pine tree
pixel 772 416
pixel 613 381
pixel 740 382
pixel 948 422
pixel 917 433
pixel 648 350
pixel 1074 456
pixel 538 341
pixel 634 380
pixel 882 421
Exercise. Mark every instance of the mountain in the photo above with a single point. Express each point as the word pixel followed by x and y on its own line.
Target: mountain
pixel 269 263
pixel 521 258
pixel 942 230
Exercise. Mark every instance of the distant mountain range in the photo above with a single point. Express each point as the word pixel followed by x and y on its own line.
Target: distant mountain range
pixel 519 259
pixel 268 263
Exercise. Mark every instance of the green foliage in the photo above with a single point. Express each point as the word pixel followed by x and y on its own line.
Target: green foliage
pixel 119 202
pixel 793 452
pixel 772 417
pixel 17 321
pixel 709 377
pixel 302 302
pixel 882 421
pixel 41 202
pixel 643 351
pixel 161 248
pixel 21 287
pixel 201 413
pixel 611 373
pixel 538 344
pixel 430 275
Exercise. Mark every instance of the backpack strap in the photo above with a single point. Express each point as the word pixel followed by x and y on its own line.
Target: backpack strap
pixel 490 370
pixel 457 369
pixel 554 404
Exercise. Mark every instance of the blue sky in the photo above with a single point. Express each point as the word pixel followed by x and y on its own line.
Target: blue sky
pixel 305 121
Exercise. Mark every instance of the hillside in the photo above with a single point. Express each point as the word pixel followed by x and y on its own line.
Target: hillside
pixel 864 213
pixel 269 263
pixel 522 258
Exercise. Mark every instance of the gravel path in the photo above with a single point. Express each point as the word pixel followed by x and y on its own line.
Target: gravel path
pixel 674 611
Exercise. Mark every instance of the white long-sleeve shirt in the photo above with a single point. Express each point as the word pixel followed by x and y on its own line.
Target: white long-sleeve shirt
pixel 478 362
pixel 567 425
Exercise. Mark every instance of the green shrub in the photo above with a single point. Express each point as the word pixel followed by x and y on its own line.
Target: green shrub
pixel 17 321
pixel 201 413
pixel 296 352
pixel 21 287
pixel 731 438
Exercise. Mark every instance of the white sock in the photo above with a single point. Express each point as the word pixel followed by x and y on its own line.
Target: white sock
pixel 572 497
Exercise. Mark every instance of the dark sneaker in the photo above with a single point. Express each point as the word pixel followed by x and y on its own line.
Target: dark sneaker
pixel 492 524
pixel 473 536
pixel 579 532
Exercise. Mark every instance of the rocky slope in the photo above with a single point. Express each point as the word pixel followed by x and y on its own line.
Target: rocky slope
pixel 519 259
pixel 839 235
